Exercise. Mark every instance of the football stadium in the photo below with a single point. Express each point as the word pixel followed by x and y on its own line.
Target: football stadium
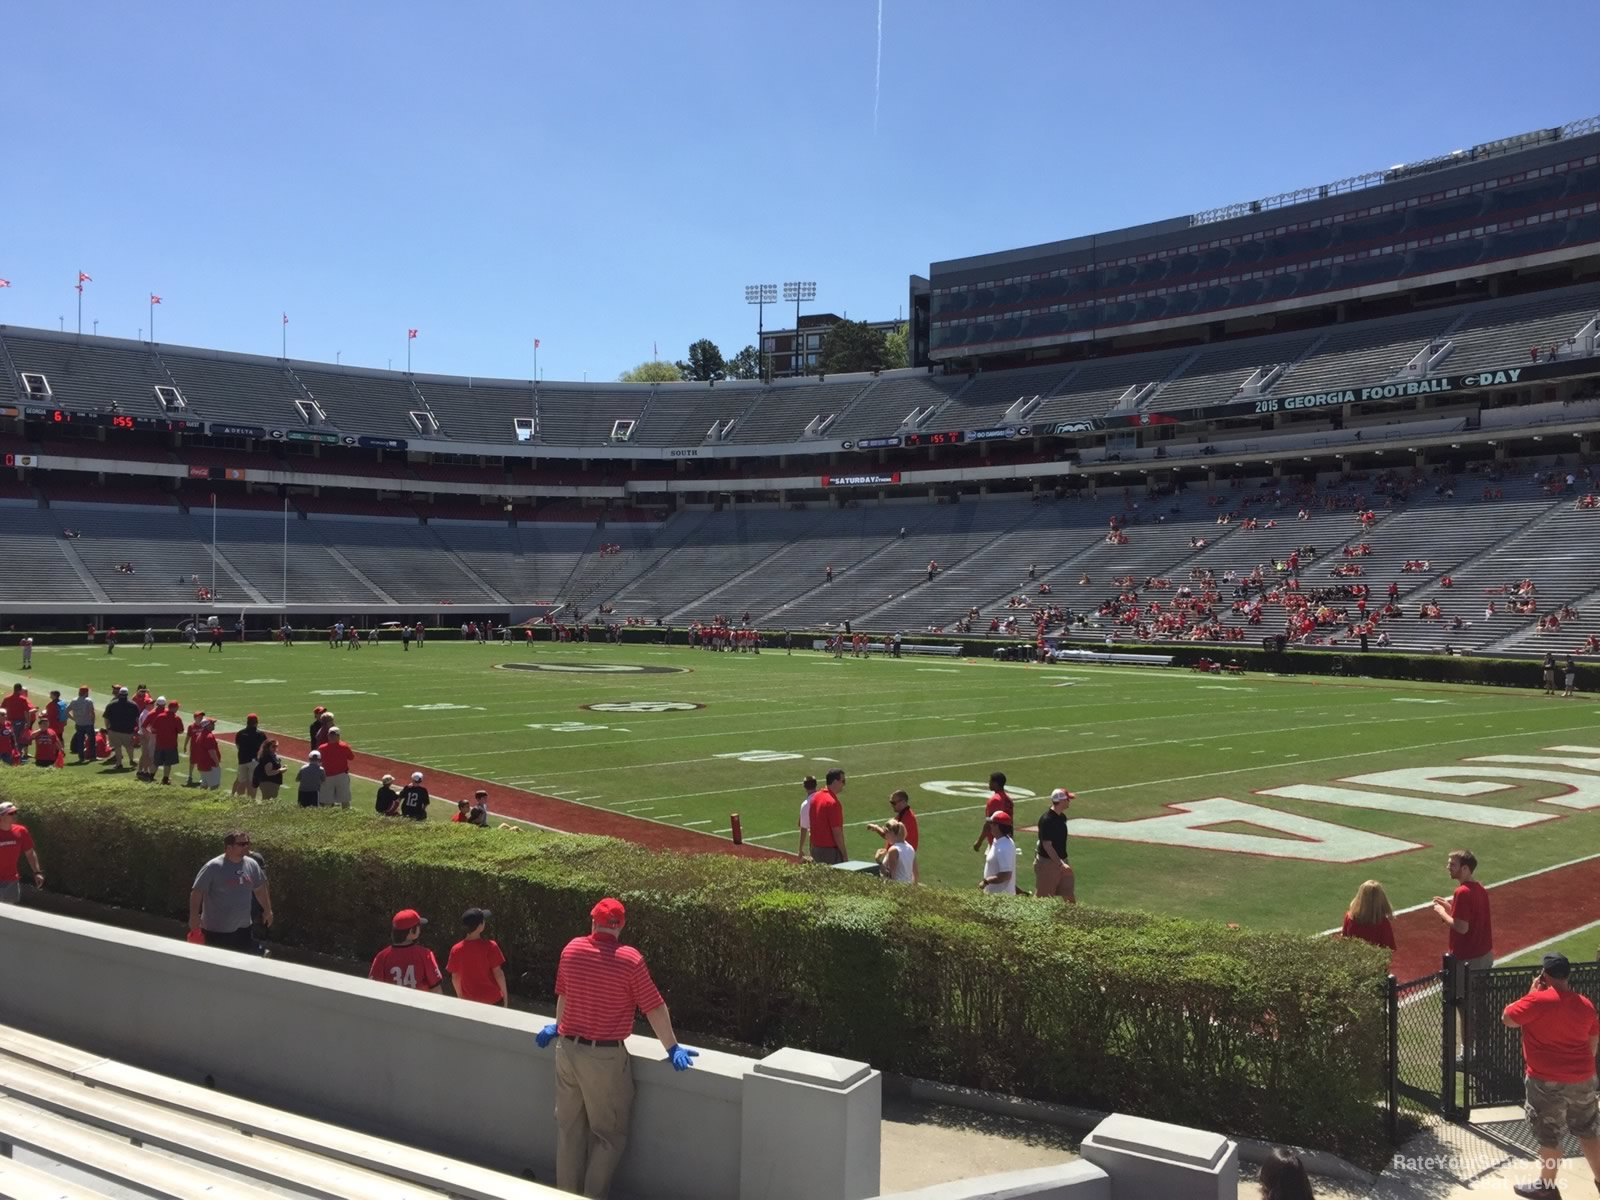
pixel 1255 549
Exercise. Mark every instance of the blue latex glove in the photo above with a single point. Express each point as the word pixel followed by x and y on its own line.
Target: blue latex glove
pixel 682 1057
pixel 545 1036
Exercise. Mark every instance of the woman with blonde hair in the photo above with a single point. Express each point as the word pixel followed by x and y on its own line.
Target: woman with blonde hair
pixel 1370 917
pixel 899 862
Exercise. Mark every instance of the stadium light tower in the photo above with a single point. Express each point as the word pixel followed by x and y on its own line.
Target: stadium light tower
pixel 798 292
pixel 761 295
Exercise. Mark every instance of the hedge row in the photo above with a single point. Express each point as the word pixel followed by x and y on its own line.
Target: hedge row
pixel 1270 1035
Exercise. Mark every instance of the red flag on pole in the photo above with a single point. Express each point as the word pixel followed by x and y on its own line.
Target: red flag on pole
pixel 5 283
pixel 154 299
pixel 82 278
pixel 535 340
pixel 411 333
pixel 285 318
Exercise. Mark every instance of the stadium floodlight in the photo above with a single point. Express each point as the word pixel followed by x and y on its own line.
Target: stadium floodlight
pixel 798 292
pixel 761 295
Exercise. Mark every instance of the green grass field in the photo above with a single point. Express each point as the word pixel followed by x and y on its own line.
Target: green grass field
pixel 597 730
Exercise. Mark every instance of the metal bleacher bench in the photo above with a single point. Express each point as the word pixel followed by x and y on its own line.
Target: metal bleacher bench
pixel 1097 656
pixel 204 1125
pixel 18 1182
pixel 905 648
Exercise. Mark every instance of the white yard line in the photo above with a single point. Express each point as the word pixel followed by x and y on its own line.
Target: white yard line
pixel 1011 758
pixel 1146 783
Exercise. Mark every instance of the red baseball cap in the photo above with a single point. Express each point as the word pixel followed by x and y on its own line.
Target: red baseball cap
pixel 609 912
pixel 318 711
pixel 172 704
pixel 408 918
pixel 1000 817
pixel 252 717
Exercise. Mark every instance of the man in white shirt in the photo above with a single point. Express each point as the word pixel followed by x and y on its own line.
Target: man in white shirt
pixel 1000 863
pixel 810 785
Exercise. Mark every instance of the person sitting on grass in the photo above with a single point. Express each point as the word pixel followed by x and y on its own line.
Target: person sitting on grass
pixel 388 801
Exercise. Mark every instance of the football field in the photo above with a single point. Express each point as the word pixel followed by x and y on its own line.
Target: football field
pixel 1259 799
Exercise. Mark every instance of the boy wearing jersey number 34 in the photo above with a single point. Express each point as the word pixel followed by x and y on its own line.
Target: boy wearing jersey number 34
pixel 405 962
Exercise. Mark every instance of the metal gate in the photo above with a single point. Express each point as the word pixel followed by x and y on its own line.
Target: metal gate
pixel 1425 1077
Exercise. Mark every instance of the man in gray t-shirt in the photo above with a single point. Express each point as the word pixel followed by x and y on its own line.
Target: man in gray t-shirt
pixel 219 902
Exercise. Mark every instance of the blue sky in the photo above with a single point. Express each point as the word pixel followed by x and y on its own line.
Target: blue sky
pixel 608 177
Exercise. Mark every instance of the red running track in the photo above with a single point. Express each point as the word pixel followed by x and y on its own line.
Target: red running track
pixel 1524 913
pixel 549 811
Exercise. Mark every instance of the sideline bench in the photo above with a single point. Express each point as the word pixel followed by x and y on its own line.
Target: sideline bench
pixel 1099 656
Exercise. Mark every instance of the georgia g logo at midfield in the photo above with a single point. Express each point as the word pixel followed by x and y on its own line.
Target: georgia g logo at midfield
pixel 590 668
pixel 643 706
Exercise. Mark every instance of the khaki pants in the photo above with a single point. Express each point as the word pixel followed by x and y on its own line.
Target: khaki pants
pixel 1052 878
pixel 594 1102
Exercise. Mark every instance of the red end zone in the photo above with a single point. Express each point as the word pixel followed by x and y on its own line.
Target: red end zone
pixel 1526 911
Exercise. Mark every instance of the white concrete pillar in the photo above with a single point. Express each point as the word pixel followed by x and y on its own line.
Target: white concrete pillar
pixel 1152 1158
pixel 795 1101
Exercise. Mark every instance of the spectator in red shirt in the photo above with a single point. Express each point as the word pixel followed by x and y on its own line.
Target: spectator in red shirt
pixel 999 801
pixel 16 707
pixel 188 742
pixel 827 821
pixel 405 962
pixel 336 758
pixel 48 748
pixel 599 986
pixel 15 842
pixel 476 965
pixel 166 727
pixel 206 755
pixel 1560 1035
pixel 1471 930
pixel 1370 917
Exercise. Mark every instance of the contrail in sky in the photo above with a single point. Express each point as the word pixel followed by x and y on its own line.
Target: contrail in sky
pixel 877 73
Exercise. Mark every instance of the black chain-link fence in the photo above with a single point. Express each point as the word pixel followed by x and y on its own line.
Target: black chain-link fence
pixel 1416 1064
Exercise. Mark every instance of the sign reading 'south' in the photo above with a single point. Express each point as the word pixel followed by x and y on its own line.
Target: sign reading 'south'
pixel 559 668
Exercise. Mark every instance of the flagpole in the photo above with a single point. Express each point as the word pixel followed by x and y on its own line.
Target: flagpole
pixel 408 353
pixel 80 304
pixel 152 318
pixel 285 336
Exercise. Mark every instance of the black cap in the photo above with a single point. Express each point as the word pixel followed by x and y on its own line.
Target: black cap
pixel 474 917
pixel 1556 966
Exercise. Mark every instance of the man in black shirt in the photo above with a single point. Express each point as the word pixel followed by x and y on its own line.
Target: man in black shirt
pixel 1051 872
pixel 414 799
pixel 248 741
pixel 122 718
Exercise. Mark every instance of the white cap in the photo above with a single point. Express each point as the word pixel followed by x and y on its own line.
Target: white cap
pixel 161 699
pixel 333 731
pixel 1060 794
pixel 315 754
pixel 416 777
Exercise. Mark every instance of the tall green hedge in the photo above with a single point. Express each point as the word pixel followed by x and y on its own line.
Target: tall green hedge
pixel 1272 1035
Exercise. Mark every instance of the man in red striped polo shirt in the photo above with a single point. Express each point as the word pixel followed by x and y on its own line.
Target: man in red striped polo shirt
pixel 599 985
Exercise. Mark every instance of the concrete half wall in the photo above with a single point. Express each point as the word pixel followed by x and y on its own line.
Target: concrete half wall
pixel 460 1079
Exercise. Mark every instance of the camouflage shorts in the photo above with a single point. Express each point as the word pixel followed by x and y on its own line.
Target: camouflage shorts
pixel 1556 1107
